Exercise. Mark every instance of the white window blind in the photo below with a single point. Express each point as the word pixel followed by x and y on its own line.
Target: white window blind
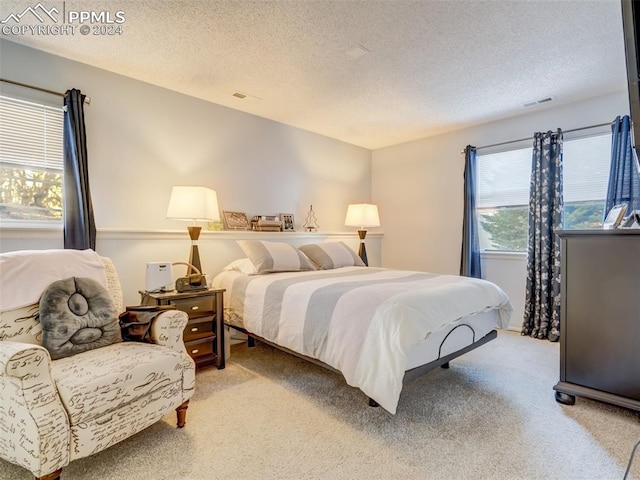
pixel 31 162
pixel 503 190
pixel 503 178
pixel 32 135
pixel 585 168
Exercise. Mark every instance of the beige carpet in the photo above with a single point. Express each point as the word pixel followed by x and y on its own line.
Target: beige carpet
pixel 271 416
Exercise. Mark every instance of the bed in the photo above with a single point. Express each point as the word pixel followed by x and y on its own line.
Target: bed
pixel 378 327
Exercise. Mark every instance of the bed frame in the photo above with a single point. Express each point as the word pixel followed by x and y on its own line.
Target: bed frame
pixel 409 375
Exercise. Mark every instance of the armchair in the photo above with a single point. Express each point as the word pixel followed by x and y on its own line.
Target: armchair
pixel 56 411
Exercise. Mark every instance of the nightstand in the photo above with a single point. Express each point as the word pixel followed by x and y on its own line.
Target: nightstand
pixel 204 334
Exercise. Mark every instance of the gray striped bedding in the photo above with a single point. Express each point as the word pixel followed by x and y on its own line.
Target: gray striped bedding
pixel 360 321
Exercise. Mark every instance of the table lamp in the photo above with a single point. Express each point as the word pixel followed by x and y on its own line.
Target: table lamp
pixel 362 215
pixel 193 203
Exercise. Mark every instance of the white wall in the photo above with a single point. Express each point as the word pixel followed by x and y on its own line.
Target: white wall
pixel 143 139
pixel 419 189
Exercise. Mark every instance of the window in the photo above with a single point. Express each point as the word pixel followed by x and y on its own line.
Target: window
pixel 31 161
pixel 503 191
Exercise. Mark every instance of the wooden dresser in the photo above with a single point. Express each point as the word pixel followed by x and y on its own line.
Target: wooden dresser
pixel 204 335
pixel 600 317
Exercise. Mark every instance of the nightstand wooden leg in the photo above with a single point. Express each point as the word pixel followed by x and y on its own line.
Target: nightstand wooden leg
pixel 182 413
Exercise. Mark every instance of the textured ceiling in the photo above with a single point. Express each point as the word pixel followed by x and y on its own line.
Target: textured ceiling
pixel 430 67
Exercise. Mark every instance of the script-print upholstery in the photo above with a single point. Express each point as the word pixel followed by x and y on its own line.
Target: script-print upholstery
pixel 56 411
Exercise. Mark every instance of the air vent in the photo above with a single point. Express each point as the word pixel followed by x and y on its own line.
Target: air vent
pixel 244 96
pixel 538 102
pixel 356 52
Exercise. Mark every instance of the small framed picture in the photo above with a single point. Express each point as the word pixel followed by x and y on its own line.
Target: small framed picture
pixel 288 225
pixel 235 220
pixel 614 217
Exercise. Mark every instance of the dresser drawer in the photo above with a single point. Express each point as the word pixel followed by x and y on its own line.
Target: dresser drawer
pixel 198 328
pixel 199 348
pixel 196 306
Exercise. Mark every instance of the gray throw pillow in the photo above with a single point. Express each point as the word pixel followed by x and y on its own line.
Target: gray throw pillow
pixel 77 314
pixel 270 257
pixel 328 255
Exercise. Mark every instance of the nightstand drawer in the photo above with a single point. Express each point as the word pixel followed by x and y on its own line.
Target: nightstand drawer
pixel 198 328
pixel 197 306
pixel 199 348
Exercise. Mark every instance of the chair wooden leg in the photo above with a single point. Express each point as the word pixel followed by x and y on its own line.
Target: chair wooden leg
pixel 182 414
pixel 51 476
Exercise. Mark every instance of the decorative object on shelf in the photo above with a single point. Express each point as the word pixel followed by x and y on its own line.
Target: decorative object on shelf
pixel 235 220
pixel 311 224
pixel 362 215
pixel 614 217
pixel 215 226
pixel 194 203
pixel 631 221
pixel 266 223
pixel 288 225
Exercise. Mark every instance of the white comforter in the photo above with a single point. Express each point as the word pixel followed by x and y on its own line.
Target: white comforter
pixel 361 321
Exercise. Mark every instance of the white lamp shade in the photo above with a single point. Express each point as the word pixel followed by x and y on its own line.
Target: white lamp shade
pixel 193 203
pixel 362 215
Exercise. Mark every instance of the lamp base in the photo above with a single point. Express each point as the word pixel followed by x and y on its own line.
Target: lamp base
pixel 194 255
pixel 194 259
pixel 194 232
pixel 362 250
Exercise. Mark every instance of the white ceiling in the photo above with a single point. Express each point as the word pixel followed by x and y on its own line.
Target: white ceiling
pixel 432 66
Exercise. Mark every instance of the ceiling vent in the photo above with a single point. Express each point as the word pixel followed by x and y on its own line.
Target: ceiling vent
pixel 356 52
pixel 244 96
pixel 538 102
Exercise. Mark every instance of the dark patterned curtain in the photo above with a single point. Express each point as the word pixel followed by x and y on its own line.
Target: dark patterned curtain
pixel 470 260
pixel 79 224
pixel 624 179
pixel 542 304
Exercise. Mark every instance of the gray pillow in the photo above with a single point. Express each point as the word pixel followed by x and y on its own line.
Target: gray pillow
pixel 270 257
pixel 330 255
pixel 77 314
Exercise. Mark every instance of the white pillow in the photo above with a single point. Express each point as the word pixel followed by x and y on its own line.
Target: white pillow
pixel 275 256
pixel 242 265
pixel 328 255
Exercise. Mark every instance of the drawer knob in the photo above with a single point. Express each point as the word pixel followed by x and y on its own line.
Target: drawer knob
pixel 195 307
pixel 194 351
pixel 194 329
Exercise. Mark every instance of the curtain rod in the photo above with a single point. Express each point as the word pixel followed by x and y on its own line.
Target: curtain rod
pixel 531 138
pixel 87 100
